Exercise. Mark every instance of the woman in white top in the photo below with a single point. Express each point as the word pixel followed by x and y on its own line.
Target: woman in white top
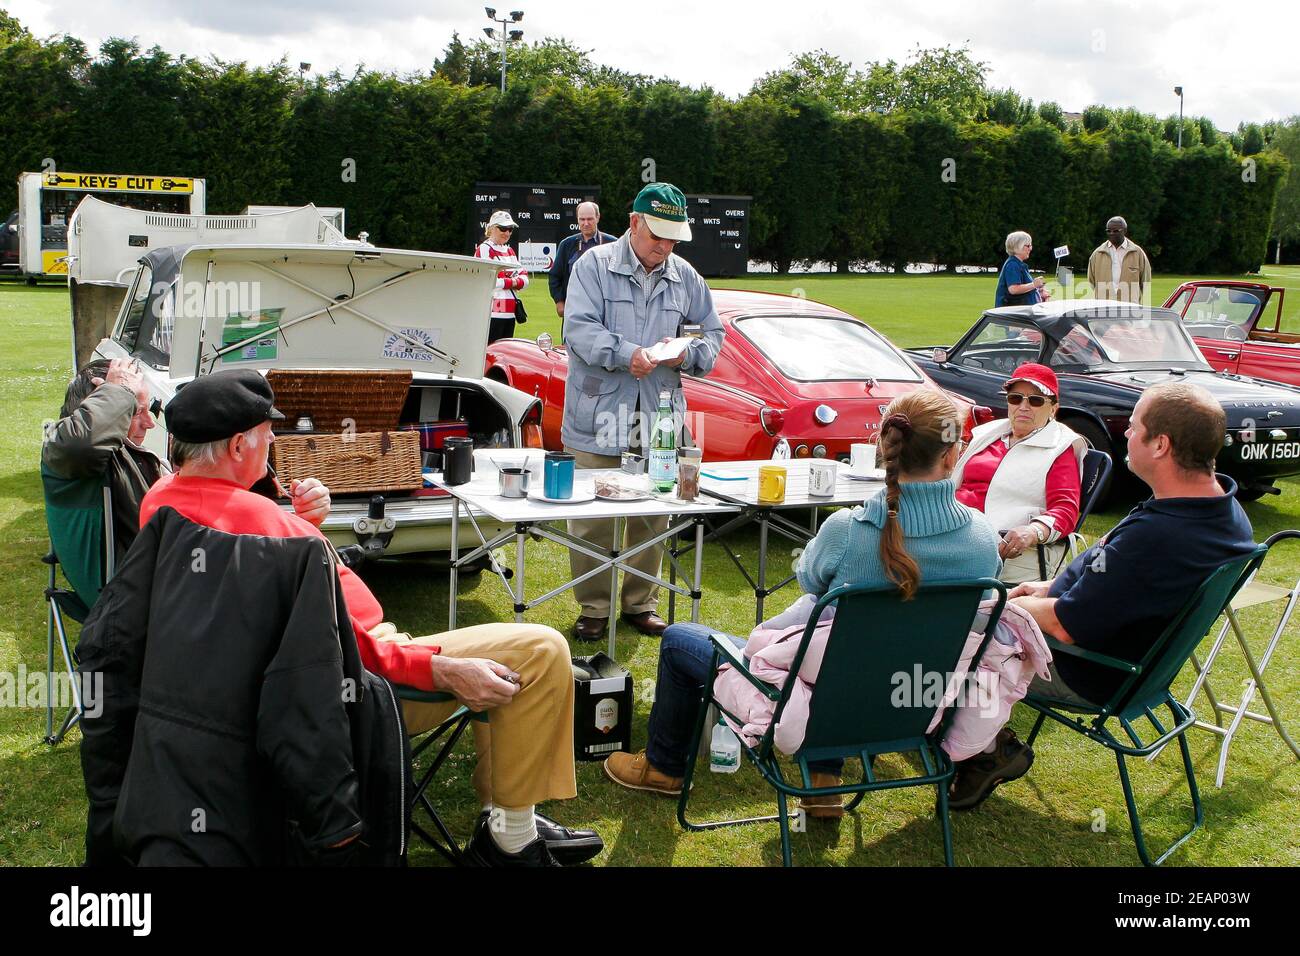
pixel 1025 473
pixel 507 308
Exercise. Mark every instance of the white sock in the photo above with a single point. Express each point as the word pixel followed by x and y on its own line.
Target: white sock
pixel 512 830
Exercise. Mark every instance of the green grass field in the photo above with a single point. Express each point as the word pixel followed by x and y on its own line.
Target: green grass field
pixel 1050 817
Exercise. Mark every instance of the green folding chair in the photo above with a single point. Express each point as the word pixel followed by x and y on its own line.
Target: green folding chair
pixel 79 516
pixel 1145 688
pixel 449 732
pixel 875 636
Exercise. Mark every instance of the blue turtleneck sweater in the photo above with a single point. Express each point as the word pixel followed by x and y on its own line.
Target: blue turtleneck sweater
pixel 948 541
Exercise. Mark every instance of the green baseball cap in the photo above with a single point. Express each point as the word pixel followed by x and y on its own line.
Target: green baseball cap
pixel 664 209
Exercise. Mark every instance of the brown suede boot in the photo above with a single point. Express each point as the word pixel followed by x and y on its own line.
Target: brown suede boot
pixel 829 807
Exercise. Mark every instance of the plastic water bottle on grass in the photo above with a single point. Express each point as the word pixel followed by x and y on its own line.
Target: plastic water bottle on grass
pixel 724 749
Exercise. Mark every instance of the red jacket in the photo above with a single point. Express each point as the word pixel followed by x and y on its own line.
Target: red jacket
pixel 224 505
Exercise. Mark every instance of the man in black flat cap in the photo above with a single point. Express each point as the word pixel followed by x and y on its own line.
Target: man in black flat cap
pixel 221 435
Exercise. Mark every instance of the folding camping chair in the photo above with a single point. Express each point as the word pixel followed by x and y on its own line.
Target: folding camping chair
pixel 79 517
pixel 875 637
pixel 448 732
pixel 1097 467
pixel 1252 594
pixel 1146 687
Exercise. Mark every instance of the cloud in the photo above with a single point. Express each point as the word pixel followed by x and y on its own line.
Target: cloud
pixel 1235 62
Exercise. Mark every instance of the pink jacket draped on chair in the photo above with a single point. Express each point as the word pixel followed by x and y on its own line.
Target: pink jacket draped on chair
pixel 1002 678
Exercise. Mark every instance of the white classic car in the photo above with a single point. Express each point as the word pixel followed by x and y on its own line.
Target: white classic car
pixel 192 310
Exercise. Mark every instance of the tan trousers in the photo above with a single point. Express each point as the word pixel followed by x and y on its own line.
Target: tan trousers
pixel 1024 567
pixel 638 594
pixel 525 749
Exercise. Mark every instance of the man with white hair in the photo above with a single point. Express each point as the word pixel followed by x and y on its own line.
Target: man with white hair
pixel 571 249
pixel 1119 268
pixel 520 674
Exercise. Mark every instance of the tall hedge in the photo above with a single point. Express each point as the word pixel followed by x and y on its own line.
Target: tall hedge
pixel 402 155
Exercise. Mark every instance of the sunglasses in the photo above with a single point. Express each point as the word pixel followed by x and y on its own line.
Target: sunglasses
pixel 1035 401
pixel 506 228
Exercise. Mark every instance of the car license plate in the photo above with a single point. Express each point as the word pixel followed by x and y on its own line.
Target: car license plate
pixel 1270 451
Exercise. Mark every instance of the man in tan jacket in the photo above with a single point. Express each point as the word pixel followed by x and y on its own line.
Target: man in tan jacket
pixel 1119 269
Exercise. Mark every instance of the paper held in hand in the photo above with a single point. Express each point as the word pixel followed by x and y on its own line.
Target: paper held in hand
pixel 665 351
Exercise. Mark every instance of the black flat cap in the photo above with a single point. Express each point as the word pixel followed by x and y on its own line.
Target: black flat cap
pixel 221 405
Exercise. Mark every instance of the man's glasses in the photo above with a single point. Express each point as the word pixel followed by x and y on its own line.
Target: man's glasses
pixel 1035 401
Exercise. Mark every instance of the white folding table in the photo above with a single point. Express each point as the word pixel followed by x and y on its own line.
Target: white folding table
pixel 529 517
pixel 736 483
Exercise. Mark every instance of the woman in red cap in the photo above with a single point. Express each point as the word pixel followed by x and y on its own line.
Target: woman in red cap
pixel 1024 472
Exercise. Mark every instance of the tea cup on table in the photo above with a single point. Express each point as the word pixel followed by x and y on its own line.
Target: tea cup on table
pixel 862 458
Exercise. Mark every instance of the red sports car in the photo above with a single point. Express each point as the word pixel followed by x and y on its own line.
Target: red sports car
pixel 789 369
pixel 1236 330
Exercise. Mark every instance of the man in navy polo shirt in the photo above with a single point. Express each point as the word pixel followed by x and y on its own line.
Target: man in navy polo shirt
pixel 571 249
pixel 1119 595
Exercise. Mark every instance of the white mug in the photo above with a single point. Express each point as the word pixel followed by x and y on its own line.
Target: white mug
pixel 862 458
pixel 821 479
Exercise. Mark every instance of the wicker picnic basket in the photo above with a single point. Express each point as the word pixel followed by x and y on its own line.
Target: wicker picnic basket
pixel 351 463
pixel 371 398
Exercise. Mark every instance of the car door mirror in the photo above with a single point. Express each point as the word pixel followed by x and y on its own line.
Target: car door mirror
pixel 545 342
pixel 941 356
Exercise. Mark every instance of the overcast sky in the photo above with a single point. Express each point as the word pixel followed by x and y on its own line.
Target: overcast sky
pixel 1235 60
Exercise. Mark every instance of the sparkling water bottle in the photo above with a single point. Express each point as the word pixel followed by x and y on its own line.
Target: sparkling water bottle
pixel 663 446
pixel 724 749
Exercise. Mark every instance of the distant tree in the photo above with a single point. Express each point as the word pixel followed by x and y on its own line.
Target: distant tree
pixel 1286 214
pixel 1096 119
pixel 1052 114
pixel 1209 132
pixel 1252 139
pixel 815 75
pixel 11 29
pixel 454 65
pixel 1008 108
pixel 944 81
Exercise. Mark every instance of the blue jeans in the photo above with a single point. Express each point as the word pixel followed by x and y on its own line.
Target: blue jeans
pixel 685 653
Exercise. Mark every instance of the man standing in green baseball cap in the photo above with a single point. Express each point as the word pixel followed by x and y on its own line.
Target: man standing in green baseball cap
pixel 622 298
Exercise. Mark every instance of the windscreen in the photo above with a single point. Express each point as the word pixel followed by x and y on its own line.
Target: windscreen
pixel 810 348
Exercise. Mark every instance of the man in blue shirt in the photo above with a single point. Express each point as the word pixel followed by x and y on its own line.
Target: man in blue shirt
pixel 1118 597
pixel 571 248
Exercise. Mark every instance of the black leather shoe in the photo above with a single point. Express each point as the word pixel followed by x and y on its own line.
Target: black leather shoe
pixel 569 847
pixel 647 622
pixel 589 629
pixel 483 851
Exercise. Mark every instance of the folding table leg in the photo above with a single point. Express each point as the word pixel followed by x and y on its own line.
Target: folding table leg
pixel 699 570
pixel 760 592
pixel 613 585
pixel 521 539
pixel 455 555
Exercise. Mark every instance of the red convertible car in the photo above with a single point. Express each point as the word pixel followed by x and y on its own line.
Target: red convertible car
pixel 790 369
pixel 1236 330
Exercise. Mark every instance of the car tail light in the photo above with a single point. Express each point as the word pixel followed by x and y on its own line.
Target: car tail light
pixel 802 452
pixel 982 414
pixel 819 451
pixel 530 429
pixel 772 419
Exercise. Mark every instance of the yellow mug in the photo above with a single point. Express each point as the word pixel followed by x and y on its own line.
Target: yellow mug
pixel 771 485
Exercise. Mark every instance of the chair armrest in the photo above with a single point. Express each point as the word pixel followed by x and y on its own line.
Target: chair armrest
pixel 422 696
pixel 729 655
pixel 1097 658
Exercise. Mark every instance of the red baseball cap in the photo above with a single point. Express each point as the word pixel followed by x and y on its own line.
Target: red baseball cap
pixel 1040 376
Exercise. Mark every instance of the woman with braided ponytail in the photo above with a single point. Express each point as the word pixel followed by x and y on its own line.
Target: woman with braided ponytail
pixel 913 532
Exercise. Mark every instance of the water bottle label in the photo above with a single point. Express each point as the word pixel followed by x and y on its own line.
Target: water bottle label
pixel 663 465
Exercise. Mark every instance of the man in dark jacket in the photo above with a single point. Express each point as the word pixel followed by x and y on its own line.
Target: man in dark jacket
pixel 237 749
pixel 571 249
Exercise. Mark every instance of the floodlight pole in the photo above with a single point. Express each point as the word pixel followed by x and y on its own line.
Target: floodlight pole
pixel 1179 91
pixel 506 35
